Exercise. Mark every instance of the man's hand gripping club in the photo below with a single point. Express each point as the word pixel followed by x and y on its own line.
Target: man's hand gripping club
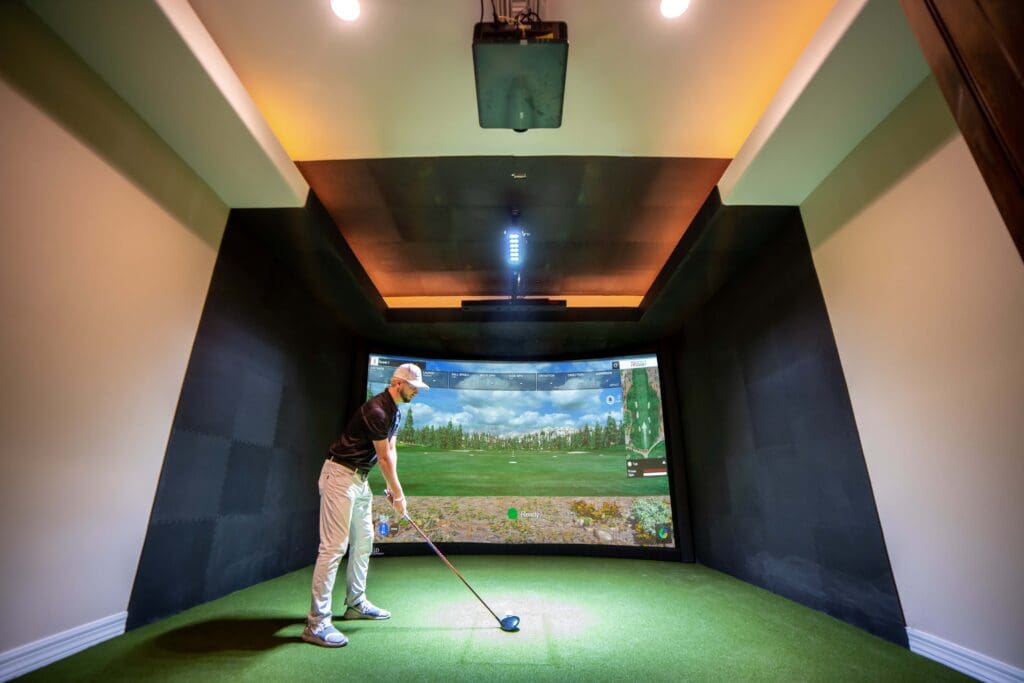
pixel 398 505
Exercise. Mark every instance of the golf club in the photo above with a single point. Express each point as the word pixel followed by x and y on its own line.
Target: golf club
pixel 509 623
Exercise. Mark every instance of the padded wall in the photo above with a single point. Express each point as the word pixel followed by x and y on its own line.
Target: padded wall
pixel 779 492
pixel 265 393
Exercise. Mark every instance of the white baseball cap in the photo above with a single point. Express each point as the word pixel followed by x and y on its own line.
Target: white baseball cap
pixel 411 373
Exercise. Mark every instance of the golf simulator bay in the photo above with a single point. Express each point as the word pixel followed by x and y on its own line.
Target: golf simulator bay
pixel 582 619
pixel 548 537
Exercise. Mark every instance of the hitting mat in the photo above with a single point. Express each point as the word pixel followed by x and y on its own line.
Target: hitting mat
pixel 582 619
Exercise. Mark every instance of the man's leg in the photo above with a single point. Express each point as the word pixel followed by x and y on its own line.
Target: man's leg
pixel 336 502
pixel 361 545
pixel 359 559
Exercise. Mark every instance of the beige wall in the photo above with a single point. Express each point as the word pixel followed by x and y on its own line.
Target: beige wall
pixel 925 291
pixel 107 247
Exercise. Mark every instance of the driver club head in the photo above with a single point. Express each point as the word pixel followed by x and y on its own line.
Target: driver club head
pixel 510 623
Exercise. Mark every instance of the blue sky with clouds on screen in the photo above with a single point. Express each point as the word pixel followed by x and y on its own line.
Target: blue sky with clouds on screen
pixel 514 412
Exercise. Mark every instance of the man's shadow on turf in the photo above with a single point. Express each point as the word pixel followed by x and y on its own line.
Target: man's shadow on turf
pixel 225 635
pixel 255 635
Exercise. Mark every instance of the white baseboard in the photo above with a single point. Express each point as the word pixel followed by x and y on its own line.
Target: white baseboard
pixel 972 663
pixel 21 660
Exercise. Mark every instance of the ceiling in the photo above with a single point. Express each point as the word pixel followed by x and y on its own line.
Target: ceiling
pixel 398 82
pixel 265 99
pixel 380 115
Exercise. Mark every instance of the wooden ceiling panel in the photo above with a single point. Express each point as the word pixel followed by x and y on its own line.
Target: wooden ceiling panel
pixel 566 257
pixel 479 223
pixel 407 183
pixel 434 226
pixel 352 185
pixel 557 224
pixel 646 181
pixel 549 283
pixel 489 181
pixel 658 224
pixel 362 225
pixel 423 224
pixel 471 254
pixel 387 257
pixel 446 281
pixel 634 281
pixel 617 181
pixel 639 255
pixel 661 188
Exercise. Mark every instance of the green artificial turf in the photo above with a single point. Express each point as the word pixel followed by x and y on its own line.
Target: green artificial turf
pixel 434 472
pixel 582 619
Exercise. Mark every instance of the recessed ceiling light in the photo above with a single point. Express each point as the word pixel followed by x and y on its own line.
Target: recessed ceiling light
pixel 347 9
pixel 670 9
pixel 519 175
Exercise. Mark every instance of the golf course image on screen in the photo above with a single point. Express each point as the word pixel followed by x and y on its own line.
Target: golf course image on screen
pixel 566 452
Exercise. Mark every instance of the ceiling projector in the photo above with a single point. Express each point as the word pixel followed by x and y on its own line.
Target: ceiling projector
pixel 520 73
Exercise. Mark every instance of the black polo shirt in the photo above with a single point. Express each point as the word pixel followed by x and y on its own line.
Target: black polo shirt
pixel 376 420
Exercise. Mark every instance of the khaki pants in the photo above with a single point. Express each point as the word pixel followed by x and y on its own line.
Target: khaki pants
pixel 346 523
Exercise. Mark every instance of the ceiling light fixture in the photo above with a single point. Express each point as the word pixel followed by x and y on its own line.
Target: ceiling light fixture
pixel 348 10
pixel 515 252
pixel 516 243
pixel 670 9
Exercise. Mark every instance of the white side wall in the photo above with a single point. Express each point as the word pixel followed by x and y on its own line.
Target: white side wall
pixel 107 245
pixel 925 291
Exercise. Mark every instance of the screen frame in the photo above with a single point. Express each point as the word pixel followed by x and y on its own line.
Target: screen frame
pixel 675 471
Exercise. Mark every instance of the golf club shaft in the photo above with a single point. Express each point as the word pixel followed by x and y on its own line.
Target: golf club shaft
pixel 450 565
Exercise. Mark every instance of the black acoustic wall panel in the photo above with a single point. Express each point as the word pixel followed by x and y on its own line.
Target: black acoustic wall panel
pixel 265 392
pixel 779 491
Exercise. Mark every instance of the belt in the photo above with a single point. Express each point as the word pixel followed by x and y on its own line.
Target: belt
pixel 343 463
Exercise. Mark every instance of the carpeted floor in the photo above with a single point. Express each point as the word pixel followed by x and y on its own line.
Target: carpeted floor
pixel 582 619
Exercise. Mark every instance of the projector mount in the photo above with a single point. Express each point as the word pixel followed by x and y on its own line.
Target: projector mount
pixel 517 14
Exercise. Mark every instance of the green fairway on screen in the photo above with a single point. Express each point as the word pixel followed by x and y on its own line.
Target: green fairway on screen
pixel 512 452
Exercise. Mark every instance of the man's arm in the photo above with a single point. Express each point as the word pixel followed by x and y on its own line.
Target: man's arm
pixel 387 458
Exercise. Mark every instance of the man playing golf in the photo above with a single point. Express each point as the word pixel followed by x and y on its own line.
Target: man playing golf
pixel 346 518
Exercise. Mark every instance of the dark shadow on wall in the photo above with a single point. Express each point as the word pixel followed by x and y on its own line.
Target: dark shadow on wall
pixel 266 390
pixel 918 127
pixel 779 490
pixel 39 65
